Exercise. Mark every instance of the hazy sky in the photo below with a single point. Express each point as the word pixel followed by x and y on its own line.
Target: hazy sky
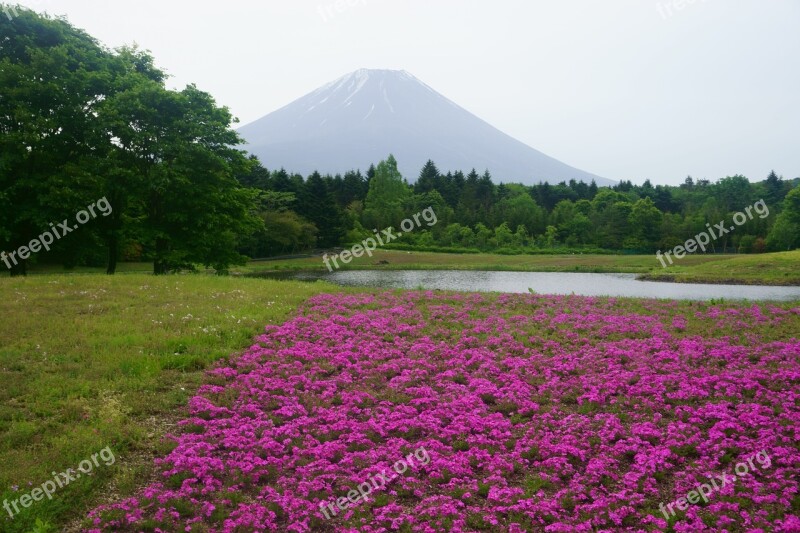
pixel 626 89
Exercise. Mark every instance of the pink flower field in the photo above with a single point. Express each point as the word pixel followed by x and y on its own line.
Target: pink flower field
pixel 538 413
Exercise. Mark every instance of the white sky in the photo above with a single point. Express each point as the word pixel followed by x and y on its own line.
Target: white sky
pixel 626 89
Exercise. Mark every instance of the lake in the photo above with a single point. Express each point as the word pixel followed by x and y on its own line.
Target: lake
pixel 622 285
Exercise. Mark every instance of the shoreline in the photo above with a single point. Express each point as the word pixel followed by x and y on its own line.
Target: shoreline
pixel 640 276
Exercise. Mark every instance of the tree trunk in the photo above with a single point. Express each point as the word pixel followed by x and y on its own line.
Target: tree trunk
pixel 113 252
pixel 115 225
pixel 160 265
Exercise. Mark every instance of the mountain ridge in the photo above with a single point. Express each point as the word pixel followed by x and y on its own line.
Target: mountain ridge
pixel 361 117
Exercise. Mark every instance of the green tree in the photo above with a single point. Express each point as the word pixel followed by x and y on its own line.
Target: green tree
pixel 354 188
pixel 562 213
pixel 773 187
pixel 283 232
pixel 646 220
pixel 785 234
pixel 183 149
pixel 387 194
pixel 428 178
pixel 521 236
pixel 503 235
pixel 316 203
pixel 419 202
pixel 551 236
pixel 469 203
pixel 482 236
pixel 519 209
pixel 257 176
pixel 122 164
pixel 734 193
pixel 53 77
pixel 578 229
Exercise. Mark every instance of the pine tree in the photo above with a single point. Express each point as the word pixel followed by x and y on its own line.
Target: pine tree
pixel 316 204
pixel 428 178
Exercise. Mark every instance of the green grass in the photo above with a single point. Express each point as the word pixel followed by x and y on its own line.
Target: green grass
pixel 92 361
pixel 767 269
pixel 400 260
pixel 760 269
pixel 122 268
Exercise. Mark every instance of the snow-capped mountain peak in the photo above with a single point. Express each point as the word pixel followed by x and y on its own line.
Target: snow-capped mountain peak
pixel 361 117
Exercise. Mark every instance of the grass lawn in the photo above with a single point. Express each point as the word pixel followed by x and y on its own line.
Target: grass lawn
pixel 89 361
pixel 401 260
pixel 769 269
pixel 781 268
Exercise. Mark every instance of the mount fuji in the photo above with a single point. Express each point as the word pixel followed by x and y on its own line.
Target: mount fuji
pixel 364 116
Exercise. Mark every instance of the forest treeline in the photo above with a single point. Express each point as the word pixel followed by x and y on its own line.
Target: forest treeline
pixel 475 214
pixel 80 123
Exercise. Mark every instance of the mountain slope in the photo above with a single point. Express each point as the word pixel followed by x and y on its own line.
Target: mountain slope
pixel 362 117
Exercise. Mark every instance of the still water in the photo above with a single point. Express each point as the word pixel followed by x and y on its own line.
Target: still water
pixel 548 283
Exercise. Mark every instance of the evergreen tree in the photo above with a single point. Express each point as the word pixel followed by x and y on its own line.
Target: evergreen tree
pixel 469 203
pixel 281 182
pixel 316 204
pixel 774 189
pixel 354 188
pixel 428 178
pixel 257 177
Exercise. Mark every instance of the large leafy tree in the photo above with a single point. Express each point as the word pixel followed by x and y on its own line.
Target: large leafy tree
pixel 785 234
pixel 123 166
pixel 284 231
pixel 53 78
pixel 734 193
pixel 193 210
pixel 519 209
pixel 388 192
pixel 79 123
pixel 646 220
